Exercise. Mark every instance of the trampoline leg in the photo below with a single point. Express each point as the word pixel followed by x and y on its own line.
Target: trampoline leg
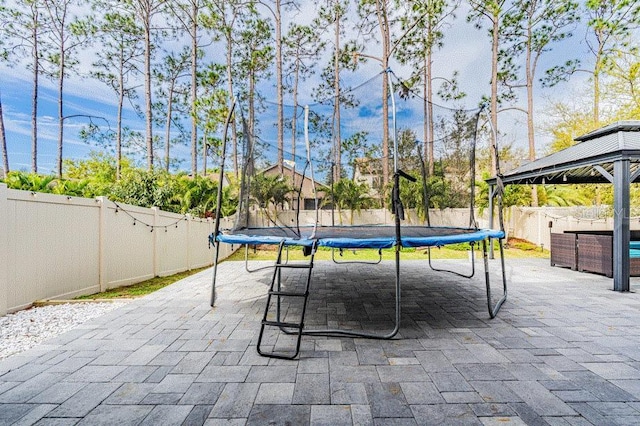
pixel 361 262
pixel 493 309
pixel 353 333
pixel 473 265
pixel 215 273
pixel 246 260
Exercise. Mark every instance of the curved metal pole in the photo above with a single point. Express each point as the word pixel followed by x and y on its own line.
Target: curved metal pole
pixel 216 228
pixel 357 262
pixel 382 336
pixel 473 265
pixel 246 260
pixel 494 308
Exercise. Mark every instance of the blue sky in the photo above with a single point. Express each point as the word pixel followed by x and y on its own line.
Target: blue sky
pixel 466 49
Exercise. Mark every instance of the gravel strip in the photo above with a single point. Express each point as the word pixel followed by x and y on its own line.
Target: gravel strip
pixel 24 329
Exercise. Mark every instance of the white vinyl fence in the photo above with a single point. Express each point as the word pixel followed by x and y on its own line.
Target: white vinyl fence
pixel 536 224
pixel 59 247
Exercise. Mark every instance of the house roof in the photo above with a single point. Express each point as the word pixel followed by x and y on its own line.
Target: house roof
pixel 273 168
pixel 585 161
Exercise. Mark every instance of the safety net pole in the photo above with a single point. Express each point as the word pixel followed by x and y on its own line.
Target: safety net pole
pixel 313 179
pixel 216 227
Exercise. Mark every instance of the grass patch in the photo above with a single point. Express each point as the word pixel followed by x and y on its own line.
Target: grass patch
pixel 141 289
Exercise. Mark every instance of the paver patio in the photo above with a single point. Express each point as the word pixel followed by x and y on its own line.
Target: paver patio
pixel 564 350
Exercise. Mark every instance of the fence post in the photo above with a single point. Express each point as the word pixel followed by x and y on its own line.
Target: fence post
pixel 154 241
pixel 188 248
pixel 4 250
pixel 102 231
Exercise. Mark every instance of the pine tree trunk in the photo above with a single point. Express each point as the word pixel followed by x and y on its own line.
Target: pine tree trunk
pixel 425 115
pixel 194 87
pixel 60 109
pixel 147 91
pixel 119 117
pixel 204 153
pixel 34 96
pixel 494 91
pixel 234 133
pixel 430 140
pixel 336 103
pixel 294 123
pixel 384 30
pixel 167 128
pixel 3 144
pixel 530 124
pixel 279 89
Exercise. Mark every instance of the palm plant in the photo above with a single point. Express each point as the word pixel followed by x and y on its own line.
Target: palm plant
pixel 561 196
pixel 349 195
pixel 268 191
pixel 195 195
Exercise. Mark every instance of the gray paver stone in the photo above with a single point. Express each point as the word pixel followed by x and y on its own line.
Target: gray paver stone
pixel 387 400
pixel 82 403
pixel 279 415
pixel 444 414
pixel 361 415
pixel 330 415
pixel 30 388
pixel 35 415
pixel 202 394
pixel 224 374
pixel 162 399
pixel 198 415
pixel 275 393
pixel 348 393
pixel 130 393
pixel 121 415
pixel 421 393
pixel 235 400
pixel 167 415
pixel 58 393
pixel 312 389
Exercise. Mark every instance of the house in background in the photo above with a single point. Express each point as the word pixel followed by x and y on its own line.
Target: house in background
pixel 297 180
pixel 369 171
pixel 226 179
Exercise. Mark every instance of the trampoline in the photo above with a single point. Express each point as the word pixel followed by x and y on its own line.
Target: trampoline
pixel 312 237
pixel 359 236
pixel 362 237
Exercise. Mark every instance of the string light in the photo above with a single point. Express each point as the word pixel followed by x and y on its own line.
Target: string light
pixel 136 220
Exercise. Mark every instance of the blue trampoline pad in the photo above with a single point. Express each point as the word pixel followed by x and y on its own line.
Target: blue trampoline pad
pixel 351 237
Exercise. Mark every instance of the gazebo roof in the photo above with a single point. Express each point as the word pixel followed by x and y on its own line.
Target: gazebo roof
pixel 588 161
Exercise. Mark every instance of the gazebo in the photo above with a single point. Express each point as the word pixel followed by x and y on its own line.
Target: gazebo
pixel 607 155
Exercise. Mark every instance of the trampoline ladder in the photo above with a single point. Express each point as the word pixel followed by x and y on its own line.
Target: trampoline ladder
pixel 275 291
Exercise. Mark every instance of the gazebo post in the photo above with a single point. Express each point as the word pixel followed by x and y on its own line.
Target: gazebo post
pixel 621 213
